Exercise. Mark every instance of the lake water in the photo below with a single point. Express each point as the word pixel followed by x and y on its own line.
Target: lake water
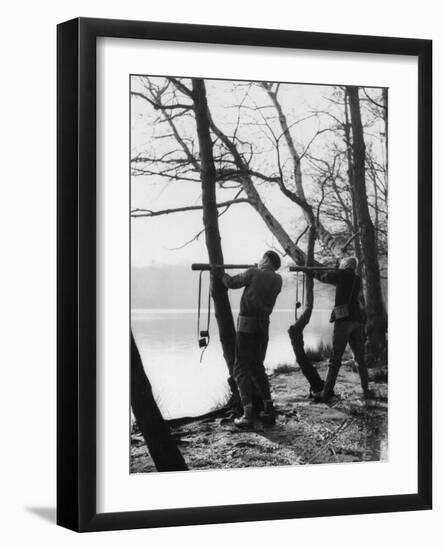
pixel 182 386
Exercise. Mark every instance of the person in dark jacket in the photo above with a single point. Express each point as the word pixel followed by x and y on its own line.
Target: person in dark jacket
pixel 262 286
pixel 349 321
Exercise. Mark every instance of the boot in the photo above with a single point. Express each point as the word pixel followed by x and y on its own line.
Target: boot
pixel 257 402
pixel 235 405
pixel 268 415
pixel 364 379
pixel 369 394
pixel 247 420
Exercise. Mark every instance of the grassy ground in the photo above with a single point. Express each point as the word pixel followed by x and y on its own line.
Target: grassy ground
pixel 348 429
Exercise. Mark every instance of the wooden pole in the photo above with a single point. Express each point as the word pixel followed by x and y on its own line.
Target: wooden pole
pixel 308 269
pixel 208 267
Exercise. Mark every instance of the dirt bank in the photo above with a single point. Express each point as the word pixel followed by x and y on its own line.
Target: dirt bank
pixel 346 430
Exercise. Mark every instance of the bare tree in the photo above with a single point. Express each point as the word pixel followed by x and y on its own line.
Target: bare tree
pixel 330 213
pixel 376 315
pixel 219 292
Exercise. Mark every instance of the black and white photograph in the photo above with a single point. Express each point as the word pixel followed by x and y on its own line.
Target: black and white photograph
pixel 220 290
pixel 259 273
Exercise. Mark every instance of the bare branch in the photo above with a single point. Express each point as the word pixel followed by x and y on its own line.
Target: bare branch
pixel 301 235
pixel 146 172
pixel 145 213
pixel 194 238
pixel 348 242
pixel 158 106
pixel 369 98
pixel 184 89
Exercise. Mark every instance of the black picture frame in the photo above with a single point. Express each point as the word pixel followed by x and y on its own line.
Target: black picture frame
pixel 76 294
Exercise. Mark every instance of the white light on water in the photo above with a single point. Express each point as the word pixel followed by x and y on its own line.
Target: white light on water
pixel 182 386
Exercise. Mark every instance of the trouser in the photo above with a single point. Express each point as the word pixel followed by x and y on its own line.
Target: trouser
pixel 249 369
pixel 352 332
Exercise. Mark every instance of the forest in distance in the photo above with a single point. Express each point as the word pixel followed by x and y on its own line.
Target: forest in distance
pixel 309 165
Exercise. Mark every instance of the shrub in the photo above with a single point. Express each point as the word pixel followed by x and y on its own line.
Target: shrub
pixel 321 352
pixel 284 369
pixel 313 355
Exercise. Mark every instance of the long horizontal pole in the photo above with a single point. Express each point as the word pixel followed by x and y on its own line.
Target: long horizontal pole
pixel 312 268
pixel 208 267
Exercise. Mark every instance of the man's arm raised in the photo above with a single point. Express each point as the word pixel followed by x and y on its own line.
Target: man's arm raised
pixel 237 281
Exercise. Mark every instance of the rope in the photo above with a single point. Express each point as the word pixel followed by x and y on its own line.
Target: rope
pixel 303 292
pixel 209 308
pixel 203 336
pixel 208 320
pixel 199 304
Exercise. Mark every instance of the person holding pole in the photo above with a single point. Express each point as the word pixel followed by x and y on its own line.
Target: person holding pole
pixel 261 286
pixel 349 323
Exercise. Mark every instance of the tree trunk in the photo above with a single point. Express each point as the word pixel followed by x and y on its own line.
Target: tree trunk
pixel 351 179
pixel 376 315
pixel 386 121
pixel 162 447
pixel 296 330
pixel 222 306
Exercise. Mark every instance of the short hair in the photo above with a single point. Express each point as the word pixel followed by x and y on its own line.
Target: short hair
pixel 274 258
pixel 350 262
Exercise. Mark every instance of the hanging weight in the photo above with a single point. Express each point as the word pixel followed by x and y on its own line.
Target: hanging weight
pixel 203 336
pixel 297 303
pixel 303 290
pixel 202 343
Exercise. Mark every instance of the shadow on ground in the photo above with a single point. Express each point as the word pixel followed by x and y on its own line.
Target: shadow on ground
pixel 46 513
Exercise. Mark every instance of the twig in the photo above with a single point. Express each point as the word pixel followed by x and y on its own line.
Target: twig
pixel 348 242
pixel 344 425
pixel 301 235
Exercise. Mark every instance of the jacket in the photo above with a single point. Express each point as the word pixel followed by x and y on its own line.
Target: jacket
pixel 262 286
pixel 347 291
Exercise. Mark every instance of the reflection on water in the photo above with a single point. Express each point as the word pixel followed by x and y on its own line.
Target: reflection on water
pixel 167 341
